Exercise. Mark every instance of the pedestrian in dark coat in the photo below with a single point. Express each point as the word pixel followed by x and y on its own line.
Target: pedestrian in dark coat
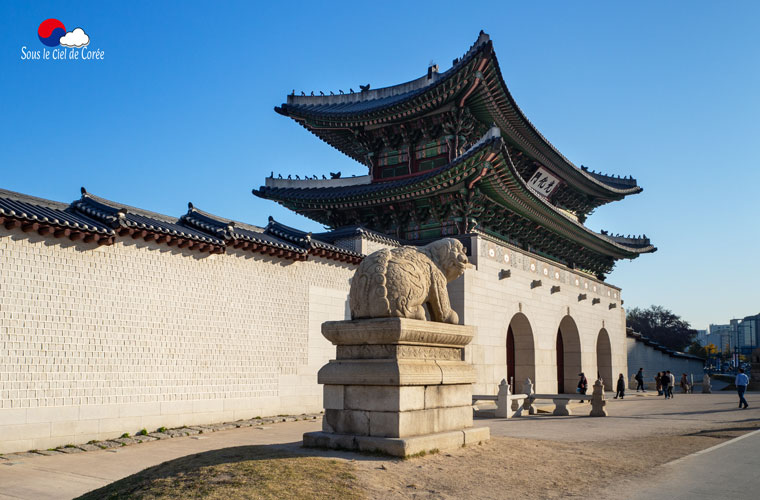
pixel 620 387
pixel 640 380
pixel 582 384
pixel 665 379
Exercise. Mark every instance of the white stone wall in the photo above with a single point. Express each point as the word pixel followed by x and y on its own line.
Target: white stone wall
pixel 97 341
pixel 652 360
pixel 489 303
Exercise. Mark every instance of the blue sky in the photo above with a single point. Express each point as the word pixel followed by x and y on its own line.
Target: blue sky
pixel 181 109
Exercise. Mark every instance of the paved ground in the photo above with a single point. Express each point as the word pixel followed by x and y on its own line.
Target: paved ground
pixel 633 417
pixel 67 476
pixel 728 470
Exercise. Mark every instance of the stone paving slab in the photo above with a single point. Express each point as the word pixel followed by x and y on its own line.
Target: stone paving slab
pixel 70 450
pixel 48 453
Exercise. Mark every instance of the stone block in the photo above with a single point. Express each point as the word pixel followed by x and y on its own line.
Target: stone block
pixel 346 422
pixel 441 396
pixel 383 397
pixel 395 372
pixel 414 423
pixel 397 331
pixel 476 435
pixel 333 397
pixel 398 447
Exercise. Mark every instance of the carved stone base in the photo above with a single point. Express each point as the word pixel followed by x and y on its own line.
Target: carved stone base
pixel 398 447
pixel 398 386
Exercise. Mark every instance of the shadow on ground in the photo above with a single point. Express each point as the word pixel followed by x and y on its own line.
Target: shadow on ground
pixel 251 472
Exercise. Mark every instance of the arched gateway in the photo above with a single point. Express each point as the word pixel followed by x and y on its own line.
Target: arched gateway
pixel 568 355
pixel 521 355
pixel 604 360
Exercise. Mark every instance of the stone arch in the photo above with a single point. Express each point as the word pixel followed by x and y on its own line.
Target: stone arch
pixel 521 352
pixel 604 360
pixel 568 352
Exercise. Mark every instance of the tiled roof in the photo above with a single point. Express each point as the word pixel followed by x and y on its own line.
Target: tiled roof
pixel 53 213
pixel 230 230
pixel 364 190
pixel 195 230
pixel 651 343
pixel 502 183
pixel 354 231
pixel 304 239
pixel 491 98
pixel 118 215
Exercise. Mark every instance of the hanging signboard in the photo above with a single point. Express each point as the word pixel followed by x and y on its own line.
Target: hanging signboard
pixel 543 182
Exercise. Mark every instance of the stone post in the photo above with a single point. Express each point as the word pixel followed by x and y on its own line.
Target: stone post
pixel 528 387
pixel 597 401
pixel 503 409
pixel 706 384
pixel 397 386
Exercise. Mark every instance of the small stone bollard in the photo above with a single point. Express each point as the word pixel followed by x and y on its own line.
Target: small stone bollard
pixel 502 402
pixel 528 386
pixel 706 384
pixel 528 403
pixel 597 401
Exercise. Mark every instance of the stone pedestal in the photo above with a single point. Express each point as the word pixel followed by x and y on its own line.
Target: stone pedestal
pixel 398 386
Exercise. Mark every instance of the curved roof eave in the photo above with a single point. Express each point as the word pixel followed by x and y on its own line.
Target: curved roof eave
pixel 322 109
pixel 534 203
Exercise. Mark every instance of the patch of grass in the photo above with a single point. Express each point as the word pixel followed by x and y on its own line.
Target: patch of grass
pixel 257 418
pixel 69 446
pixel 92 441
pixel 423 453
pixel 161 429
pixel 255 472
pixel 142 432
pixel 125 435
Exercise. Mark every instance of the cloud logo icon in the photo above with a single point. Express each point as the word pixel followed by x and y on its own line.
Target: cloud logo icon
pixel 77 38
pixel 51 31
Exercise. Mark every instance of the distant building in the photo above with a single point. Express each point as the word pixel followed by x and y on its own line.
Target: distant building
pixel 724 336
pixel 702 337
pixel 748 334
pixel 740 336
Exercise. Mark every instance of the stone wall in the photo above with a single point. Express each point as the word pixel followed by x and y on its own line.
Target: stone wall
pixel 536 311
pixel 97 341
pixel 654 360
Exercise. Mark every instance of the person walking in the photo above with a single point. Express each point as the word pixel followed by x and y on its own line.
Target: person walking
pixel 665 380
pixel 620 387
pixel 672 384
pixel 582 384
pixel 658 383
pixel 741 383
pixel 640 380
pixel 685 384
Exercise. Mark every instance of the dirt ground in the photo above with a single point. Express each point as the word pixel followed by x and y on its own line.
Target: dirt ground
pixel 527 458
pixel 530 468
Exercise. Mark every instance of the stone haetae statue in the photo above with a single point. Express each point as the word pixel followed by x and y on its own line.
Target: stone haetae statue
pixel 398 282
pixel 706 385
